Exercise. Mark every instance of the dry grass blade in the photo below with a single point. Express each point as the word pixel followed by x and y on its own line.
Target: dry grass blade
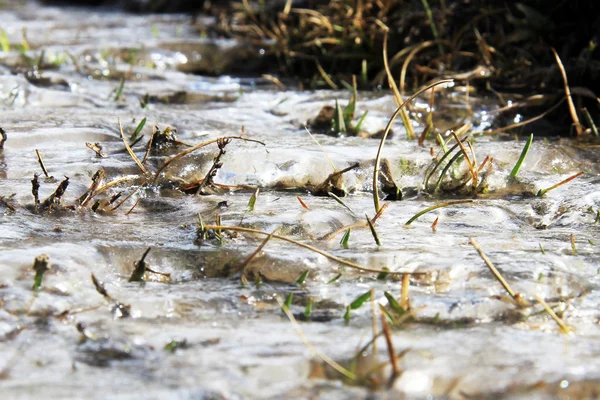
pixel 313 349
pixel 358 225
pixel 392 83
pixel 149 146
pixel 387 131
pixel 322 149
pixel 302 203
pixel 251 257
pixel 306 246
pixel 41 162
pixel 325 75
pixel 199 146
pixel 108 186
pixel 404 299
pixel 390 346
pixel 564 327
pixel 374 320
pixel 523 123
pixel 131 153
pixel 96 181
pixel 467 159
pixel 572 110
pixel 274 80
pixel 516 296
pixel 132 207
pixel 130 195
pixel 410 56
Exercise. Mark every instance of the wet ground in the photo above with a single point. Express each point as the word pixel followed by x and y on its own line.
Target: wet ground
pixel 202 332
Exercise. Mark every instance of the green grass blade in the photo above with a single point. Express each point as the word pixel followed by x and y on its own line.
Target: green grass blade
pixel 288 301
pixel 446 204
pixel 120 89
pixel 394 303
pixel 303 277
pixel 252 201
pixel 590 121
pixel 338 119
pixel 138 129
pixel 4 43
pixel 458 155
pixel 350 108
pixel 335 278
pixel 360 300
pixel 383 275
pixel 517 167
pixel 360 121
pixel 308 309
pixel 345 238
pixel 336 198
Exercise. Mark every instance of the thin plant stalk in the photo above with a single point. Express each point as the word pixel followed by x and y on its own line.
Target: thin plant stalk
pixel 590 121
pixel 434 30
pixel 572 110
pixel 387 131
pixel 390 346
pixel 542 192
pixel 492 268
pixel 306 246
pixel 523 123
pixel 374 319
pixel 251 257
